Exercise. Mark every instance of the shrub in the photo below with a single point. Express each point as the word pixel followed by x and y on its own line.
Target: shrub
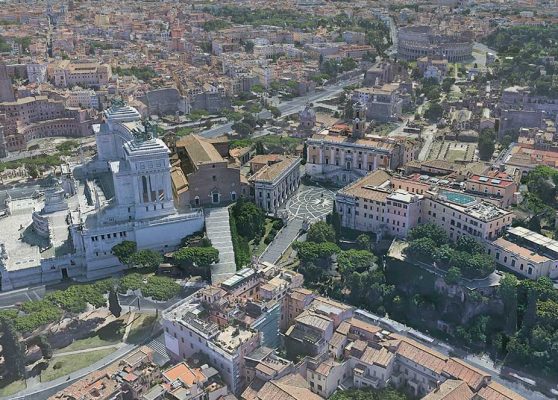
pixel 130 282
pixel 160 288
pixel 198 256
pixel 37 314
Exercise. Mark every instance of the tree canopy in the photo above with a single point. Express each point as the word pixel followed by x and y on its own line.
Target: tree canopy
pixel 431 231
pixel 250 219
pixel 321 232
pixel 145 259
pixel 199 256
pixel 124 250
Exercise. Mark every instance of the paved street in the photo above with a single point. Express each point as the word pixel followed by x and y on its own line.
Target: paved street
pixel 219 232
pixel 9 299
pixel 289 107
pixel 310 202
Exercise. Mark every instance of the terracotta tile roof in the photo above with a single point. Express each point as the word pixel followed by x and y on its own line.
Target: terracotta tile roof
pixel 368 141
pixel 382 357
pixel 458 369
pixel 314 320
pixel 199 150
pixel 519 250
pixel 364 326
pixel 422 355
pixel 337 339
pixel 185 374
pixel 290 387
pixel 451 390
pixel 300 294
pixel 343 328
pixel 179 181
pixel 363 187
pixel 495 391
pixel 270 173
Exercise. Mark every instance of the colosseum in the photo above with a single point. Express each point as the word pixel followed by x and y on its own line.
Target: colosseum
pixel 419 41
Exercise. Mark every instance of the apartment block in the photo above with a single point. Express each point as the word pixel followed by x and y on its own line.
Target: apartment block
pixel 526 253
pixel 228 322
pixel 389 205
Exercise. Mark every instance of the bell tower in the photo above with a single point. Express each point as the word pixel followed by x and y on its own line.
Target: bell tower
pixel 359 120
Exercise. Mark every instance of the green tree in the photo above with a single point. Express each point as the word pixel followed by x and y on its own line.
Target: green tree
pixel 434 112
pixel 508 293
pixel 249 46
pixel 198 256
pixel 431 231
pixel 486 144
pixel 447 84
pixel 145 259
pixel 422 249
pixel 363 242
pixel 124 250
pixel 275 112
pixel 469 244
pixel 44 345
pixel 321 232
pixel 114 304
pixel 453 276
pixel 355 260
pixel 250 219
pixel 542 182
pixel 260 149
pixel 13 350
pixel 534 224
pixel 443 254
pixel 368 394
pixel 32 170
pixel 242 128
pixel 317 253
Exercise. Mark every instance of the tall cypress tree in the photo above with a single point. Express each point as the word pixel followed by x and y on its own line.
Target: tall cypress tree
pixel 13 350
pixel 114 304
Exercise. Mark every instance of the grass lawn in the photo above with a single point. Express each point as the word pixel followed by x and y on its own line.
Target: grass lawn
pixel 111 333
pixel 60 366
pixel 141 328
pixel 12 388
pixel 456 155
pixel 258 249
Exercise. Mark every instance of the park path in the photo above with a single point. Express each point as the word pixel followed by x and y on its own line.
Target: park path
pixel 46 389
pixel 131 316
pixel 70 353
pixel 282 241
pixel 219 232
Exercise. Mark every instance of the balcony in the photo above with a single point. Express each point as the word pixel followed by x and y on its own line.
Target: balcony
pixel 362 378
